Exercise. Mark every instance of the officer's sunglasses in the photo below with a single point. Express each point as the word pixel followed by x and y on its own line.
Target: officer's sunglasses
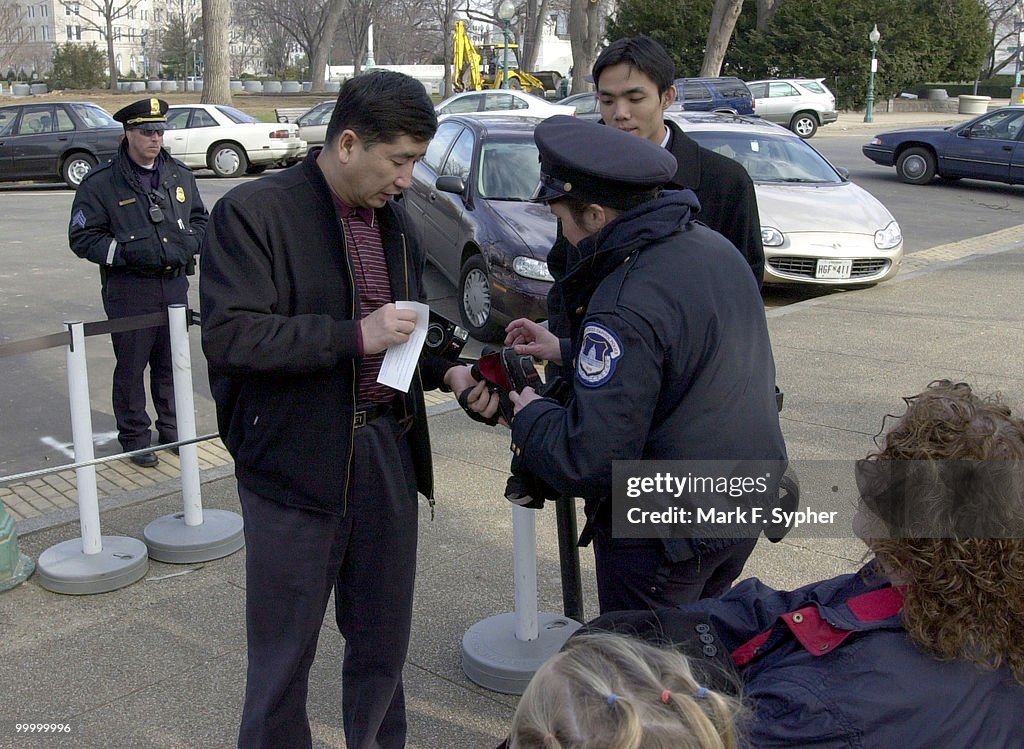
pixel 146 132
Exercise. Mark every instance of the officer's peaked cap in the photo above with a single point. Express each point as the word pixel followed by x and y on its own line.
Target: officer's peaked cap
pixel 147 113
pixel 597 163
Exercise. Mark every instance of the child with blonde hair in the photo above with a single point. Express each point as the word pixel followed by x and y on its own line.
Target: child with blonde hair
pixel 609 691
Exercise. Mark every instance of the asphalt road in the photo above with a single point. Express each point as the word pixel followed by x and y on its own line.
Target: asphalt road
pixel 44 284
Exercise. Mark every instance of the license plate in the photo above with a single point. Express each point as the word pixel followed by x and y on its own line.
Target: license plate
pixel 833 269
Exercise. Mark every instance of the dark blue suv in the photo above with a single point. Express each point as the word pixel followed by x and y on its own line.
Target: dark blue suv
pixel 725 94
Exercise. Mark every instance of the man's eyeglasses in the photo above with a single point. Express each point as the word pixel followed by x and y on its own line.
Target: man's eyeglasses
pixel 146 132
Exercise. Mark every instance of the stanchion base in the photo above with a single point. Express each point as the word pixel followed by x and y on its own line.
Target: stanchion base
pixel 65 568
pixel 170 540
pixel 493 658
pixel 22 572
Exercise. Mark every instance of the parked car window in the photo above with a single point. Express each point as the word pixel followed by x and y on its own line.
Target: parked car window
pixel 64 123
pixel 202 118
pixel 695 92
pixel 758 90
pixel 461 157
pixel 462 105
pixel 814 86
pixel 781 88
pixel 35 120
pixel 770 158
pixel 7 119
pixel 503 102
pixel 236 115
pixel 94 116
pixel 731 88
pixel 177 119
pixel 509 171
pixel 446 133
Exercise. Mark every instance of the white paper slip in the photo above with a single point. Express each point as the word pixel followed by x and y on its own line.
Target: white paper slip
pixel 400 361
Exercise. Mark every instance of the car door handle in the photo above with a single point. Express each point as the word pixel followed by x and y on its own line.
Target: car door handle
pixel 1008 148
pixel 63 137
pixel 432 197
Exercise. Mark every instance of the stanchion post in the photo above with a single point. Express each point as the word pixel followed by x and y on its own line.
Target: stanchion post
pixel 184 409
pixel 524 570
pixel 194 535
pixel 81 437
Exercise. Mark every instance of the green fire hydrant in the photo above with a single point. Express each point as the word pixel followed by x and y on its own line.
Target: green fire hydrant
pixel 15 567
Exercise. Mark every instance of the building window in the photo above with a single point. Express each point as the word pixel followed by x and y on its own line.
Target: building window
pixel 46 33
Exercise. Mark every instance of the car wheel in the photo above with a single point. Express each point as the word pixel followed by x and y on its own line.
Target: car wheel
pixel 804 124
pixel 514 83
pixel 475 300
pixel 76 166
pixel 916 166
pixel 256 169
pixel 227 160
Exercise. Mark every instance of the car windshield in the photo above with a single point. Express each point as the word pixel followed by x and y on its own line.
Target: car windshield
pixel 94 116
pixel 509 170
pixel 770 158
pixel 235 115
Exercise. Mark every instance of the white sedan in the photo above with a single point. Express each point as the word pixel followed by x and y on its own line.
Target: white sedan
pixel 501 101
pixel 229 141
pixel 816 226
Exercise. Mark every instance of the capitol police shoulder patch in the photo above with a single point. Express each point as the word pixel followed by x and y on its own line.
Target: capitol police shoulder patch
pixel 598 355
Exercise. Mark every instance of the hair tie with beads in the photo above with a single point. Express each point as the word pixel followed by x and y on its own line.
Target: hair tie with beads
pixel 701 692
pixel 666 696
pixel 611 698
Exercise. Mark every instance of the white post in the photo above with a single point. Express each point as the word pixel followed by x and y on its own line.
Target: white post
pixel 524 572
pixel 81 434
pixel 370 62
pixel 184 409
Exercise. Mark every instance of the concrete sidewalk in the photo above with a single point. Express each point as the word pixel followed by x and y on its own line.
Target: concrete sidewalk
pixel 853 121
pixel 162 663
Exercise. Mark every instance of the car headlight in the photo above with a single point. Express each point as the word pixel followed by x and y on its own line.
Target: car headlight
pixel 771 237
pixel 889 237
pixel 876 142
pixel 529 267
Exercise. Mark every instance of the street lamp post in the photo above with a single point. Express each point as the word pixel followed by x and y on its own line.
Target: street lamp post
pixel 873 37
pixel 505 12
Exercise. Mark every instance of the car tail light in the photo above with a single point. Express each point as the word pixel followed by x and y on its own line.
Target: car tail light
pixel 281 134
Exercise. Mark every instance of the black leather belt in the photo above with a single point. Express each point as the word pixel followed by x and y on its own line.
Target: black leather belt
pixel 370 412
pixel 158 272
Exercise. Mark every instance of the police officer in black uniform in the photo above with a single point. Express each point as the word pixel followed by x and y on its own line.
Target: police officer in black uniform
pixel 140 218
pixel 669 357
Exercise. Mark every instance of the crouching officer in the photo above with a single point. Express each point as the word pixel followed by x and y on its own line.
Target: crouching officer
pixel 140 218
pixel 669 353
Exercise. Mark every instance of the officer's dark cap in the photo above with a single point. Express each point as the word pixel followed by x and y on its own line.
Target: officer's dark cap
pixel 148 113
pixel 598 163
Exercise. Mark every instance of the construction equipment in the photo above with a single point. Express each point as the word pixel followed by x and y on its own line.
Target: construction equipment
pixel 482 66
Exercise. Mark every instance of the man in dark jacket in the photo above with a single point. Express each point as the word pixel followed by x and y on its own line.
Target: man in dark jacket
pixel 301 274
pixel 669 353
pixel 140 218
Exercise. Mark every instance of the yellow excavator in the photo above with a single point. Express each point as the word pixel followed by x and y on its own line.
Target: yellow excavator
pixel 485 68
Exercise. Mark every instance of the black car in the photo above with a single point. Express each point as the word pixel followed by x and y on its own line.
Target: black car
pixel 55 141
pixel 470 197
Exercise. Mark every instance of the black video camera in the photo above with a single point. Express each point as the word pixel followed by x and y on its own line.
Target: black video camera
pixel 504 371
pixel 445 338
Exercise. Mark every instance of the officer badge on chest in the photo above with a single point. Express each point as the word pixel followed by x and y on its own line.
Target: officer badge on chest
pixel 598 355
pixel 179 195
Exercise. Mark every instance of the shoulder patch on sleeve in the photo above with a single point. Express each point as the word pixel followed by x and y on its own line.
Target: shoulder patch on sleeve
pixel 78 219
pixel 599 353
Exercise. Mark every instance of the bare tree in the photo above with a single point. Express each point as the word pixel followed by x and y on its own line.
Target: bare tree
pixel 534 12
pixel 12 35
pixel 723 22
pixel 101 17
pixel 585 35
pixel 310 23
pixel 217 58
pixel 443 12
pixel 765 10
pixel 405 32
pixel 1001 15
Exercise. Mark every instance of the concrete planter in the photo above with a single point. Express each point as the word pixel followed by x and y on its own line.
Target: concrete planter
pixel 332 87
pixel 235 85
pixel 307 86
pixel 137 86
pixel 253 87
pixel 290 87
pixel 154 86
pixel 21 89
pixel 37 88
pixel 168 85
pixel 271 87
pixel 973 104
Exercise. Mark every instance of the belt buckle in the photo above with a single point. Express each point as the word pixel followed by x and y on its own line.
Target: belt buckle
pixel 360 419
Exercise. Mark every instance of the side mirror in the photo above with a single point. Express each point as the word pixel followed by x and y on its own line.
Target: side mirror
pixel 843 172
pixel 451 184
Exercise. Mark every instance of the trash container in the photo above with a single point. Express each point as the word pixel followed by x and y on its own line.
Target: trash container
pixel 973 104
